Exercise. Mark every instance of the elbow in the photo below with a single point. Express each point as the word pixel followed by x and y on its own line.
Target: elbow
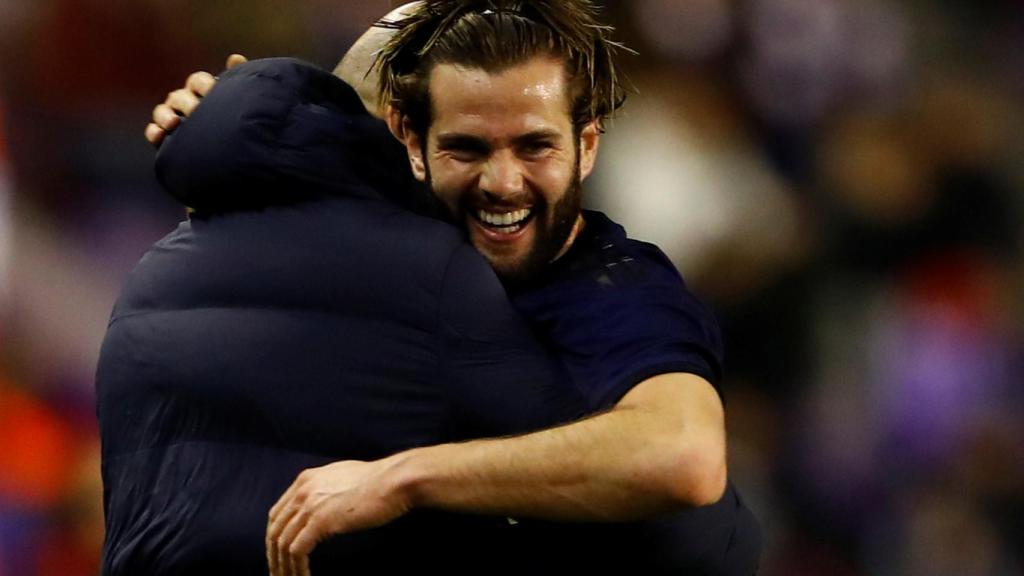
pixel 699 477
pixel 710 487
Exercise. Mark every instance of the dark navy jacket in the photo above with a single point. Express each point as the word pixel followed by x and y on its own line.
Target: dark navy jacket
pixel 249 345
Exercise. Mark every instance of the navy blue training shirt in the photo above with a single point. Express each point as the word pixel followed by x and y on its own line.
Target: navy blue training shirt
pixel 616 312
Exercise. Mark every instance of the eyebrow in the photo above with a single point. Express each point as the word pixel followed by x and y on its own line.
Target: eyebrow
pixel 459 140
pixel 537 136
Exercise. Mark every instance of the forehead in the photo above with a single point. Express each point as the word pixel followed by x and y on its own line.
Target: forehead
pixel 525 97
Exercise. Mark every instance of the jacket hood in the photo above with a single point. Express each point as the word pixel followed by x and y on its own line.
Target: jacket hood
pixel 278 131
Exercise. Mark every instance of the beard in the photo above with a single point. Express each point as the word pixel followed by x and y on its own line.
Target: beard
pixel 553 223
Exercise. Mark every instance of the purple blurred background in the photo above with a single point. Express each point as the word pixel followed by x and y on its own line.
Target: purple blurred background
pixel 840 179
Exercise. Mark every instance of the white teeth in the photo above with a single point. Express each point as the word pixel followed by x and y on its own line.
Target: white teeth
pixel 506 219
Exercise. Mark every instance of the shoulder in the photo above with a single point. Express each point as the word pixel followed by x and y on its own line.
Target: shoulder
pixel 335 254
pixel 606 267
pixel 269 124
pixel 637 277
pixel 620 311
pixel 605 257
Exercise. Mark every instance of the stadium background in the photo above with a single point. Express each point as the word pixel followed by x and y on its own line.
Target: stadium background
pixel 841 179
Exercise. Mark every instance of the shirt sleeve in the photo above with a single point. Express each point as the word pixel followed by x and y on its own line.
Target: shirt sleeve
pixel 613 335
pixel 661 328
pixel 501 379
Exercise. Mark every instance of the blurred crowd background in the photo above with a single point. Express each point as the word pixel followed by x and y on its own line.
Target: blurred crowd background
pixel 840 179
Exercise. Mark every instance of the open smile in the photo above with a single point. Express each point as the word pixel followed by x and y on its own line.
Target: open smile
pixel 498 224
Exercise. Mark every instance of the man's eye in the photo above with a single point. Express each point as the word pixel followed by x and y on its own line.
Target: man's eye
pixel 536 148
pixel 464 153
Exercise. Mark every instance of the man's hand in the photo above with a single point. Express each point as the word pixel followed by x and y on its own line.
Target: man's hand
pixel 335 499
pixel 180 103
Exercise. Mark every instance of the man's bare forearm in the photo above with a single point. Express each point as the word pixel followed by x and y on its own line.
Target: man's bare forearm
pixel 661 448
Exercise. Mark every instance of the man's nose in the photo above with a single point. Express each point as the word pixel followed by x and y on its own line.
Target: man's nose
pixel 502 178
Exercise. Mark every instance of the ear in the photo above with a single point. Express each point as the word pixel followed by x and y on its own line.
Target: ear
pixel 394 120
pixel 590 140
pixel 400 128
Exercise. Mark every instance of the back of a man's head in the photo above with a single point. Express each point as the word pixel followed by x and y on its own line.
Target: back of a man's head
pixel 357 68
pixel 495 35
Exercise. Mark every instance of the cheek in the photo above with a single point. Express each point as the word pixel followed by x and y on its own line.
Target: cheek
pixel 552 179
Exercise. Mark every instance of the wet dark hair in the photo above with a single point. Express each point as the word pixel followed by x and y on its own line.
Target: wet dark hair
pixel 494 35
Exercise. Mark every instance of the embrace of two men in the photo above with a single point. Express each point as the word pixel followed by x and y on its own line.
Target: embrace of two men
pixel 390 338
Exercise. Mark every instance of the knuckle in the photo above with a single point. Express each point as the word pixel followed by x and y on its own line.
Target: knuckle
pixel 296 548
pixel 315 518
